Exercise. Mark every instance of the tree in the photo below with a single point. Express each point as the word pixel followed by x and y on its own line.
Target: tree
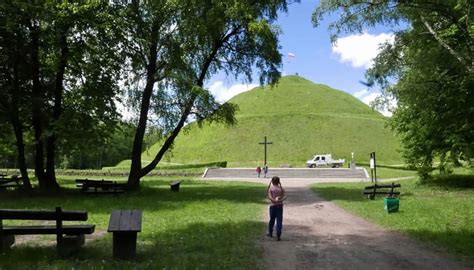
pixel 432 65
pixel 95 154
pixel 180 44
pixel 70 73
pixel 14 81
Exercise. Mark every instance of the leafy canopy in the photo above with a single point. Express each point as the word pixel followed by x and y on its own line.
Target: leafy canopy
pixel 432 66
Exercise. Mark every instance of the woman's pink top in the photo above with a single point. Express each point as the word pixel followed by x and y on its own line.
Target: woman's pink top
pixel 274 192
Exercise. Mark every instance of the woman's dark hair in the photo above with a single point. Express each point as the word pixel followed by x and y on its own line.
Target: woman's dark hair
pixel 275 180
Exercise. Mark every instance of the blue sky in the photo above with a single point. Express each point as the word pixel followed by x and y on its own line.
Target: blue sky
pixel 339 66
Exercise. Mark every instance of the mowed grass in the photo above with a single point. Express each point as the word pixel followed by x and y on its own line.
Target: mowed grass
pixel 439 212
pixel 388 173
pixel 206 225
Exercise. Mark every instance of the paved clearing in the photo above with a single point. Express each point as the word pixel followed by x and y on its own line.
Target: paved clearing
pixel 319 235
pixel 293 173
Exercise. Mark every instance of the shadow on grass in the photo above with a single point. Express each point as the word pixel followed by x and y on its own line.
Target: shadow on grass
pixel 351 193
pixel 332 193
pixel 153 195
pixel 227 245
pixel 181 230
pixel 452 181
pixel 460 243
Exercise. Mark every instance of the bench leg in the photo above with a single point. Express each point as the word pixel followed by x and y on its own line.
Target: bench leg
pixel 5 242
pixel 125 245
pixel 70 244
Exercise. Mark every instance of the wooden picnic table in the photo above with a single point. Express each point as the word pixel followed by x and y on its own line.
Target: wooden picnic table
pixel 100 186
pixel 125 224
pixel 12 182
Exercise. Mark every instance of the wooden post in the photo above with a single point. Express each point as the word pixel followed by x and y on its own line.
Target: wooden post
pixel 1 237
pixel 124 245
pixel 265 142
pixel 59 227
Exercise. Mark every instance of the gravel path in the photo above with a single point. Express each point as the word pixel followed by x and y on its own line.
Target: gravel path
pixel 319 235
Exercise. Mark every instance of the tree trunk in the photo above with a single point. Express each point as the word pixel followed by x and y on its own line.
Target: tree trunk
pixel 18 126
pixel 466 63
pixel 57 109
pixel 136 166
pixel 20 145
pixel 169 141
pixel 36 113
pixel 134 180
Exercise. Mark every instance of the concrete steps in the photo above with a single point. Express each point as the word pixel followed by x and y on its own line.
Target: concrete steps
pixel 358 173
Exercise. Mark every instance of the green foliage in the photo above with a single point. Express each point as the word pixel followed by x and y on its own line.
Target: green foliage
pixel 64 80
pixel 7 148
pixel 204 225
pixel 440 214
pixel 450 181
pixel 178 45
pixel 431 63
pixel 300 117
pixel 125 164
pixel 115 146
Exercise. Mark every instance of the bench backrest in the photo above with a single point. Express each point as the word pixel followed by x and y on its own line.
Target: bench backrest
pixel 393 185
pixel 82 181
pixel 11 180
pixel 43 215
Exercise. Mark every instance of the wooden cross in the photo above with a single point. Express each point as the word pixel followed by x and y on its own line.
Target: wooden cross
pixel 265 147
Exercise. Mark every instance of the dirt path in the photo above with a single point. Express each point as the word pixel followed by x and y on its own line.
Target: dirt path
pixel 319 235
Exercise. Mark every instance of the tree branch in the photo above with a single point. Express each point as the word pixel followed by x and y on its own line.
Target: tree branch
pixel 446 46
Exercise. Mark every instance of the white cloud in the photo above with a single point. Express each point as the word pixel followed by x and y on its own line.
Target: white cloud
pixel 223 93
pixel 360 93
pixel 367 97
pixel 360 50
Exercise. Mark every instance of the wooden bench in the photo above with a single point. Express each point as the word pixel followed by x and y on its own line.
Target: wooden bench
pixel 174 186
pixel 100 186
pixel 125 224
pixel 68 237
pixel 12 182
pixel 371 191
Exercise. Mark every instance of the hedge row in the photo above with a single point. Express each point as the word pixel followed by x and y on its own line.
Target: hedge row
pixel 221 164
pixel 406 168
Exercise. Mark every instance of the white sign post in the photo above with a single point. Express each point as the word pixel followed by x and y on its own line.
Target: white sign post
pixel 373 167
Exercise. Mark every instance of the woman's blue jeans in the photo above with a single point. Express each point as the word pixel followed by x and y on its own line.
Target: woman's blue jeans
pixel 276 212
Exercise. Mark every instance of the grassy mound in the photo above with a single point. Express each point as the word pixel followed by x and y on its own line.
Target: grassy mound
pixel 300 118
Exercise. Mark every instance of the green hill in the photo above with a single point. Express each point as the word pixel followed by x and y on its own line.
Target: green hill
pixel 300 118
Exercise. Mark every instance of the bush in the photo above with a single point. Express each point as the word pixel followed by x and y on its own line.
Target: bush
pixel 456 181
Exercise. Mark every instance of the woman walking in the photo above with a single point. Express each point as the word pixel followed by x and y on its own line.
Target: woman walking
pixel 276 195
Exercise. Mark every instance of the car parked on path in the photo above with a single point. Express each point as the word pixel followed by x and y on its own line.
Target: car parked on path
pixel 324 160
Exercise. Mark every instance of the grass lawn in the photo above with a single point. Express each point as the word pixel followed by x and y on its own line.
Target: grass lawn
pixel 438 212
pixel 204 225
pixel 384 173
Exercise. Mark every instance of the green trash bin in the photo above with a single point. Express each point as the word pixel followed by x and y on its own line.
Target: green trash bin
pixel 391 204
